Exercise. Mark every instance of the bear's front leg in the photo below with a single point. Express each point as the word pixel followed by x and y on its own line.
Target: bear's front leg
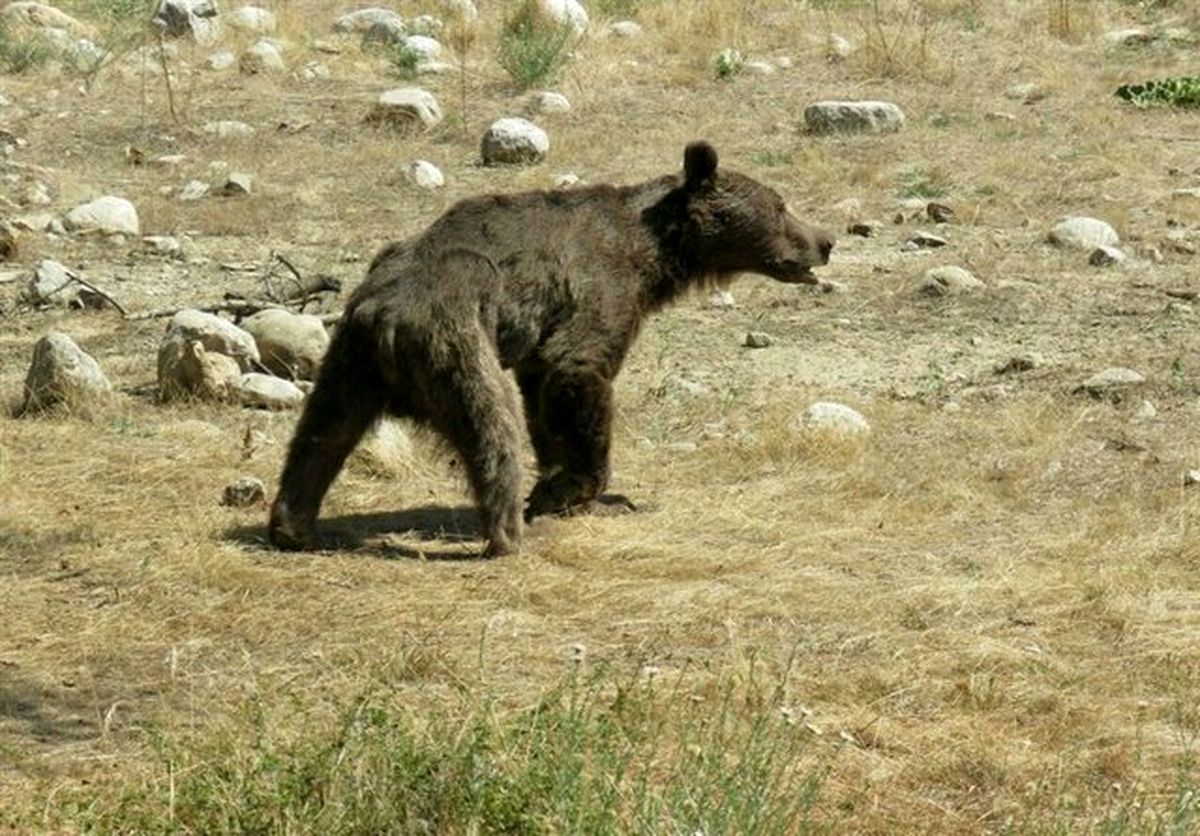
pixel 571 433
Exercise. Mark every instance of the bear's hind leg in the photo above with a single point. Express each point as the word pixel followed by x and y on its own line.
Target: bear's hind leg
pixel 475 408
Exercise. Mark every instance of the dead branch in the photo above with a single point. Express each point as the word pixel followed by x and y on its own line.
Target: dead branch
pixel 75 277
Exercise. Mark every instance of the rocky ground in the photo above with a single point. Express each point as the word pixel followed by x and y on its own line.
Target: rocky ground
pixel 990 579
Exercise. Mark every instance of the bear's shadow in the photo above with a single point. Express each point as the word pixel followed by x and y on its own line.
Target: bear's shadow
pixel 377 533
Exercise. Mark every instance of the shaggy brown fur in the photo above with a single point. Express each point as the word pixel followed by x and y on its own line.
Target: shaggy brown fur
pixel 553 285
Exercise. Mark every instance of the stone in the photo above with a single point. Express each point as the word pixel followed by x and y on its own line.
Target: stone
pixel 566 180
pixel 254 20
pixel 426 48
pixel 261 57
pixel 424 175
pixel 165 245
pixel 63 374
pixel 51 284
pixel 208 375
pixel 514 141
pixel 193 190
pixel 838 48
pixel 264 391
pixel 760 67
pixel 939 213
pixel 625 29
pixel 1111 380
pixel 220 60
pixel 757 339
pixel 107 214
pixel 43 16
pixel 1106 256
pixel 34 222
pixel 862 229
pixel 1026 92
pixel 1020 363
pixel 181 18
pixel 237 184
pixel 290 345
pixel 8 241
pixel 406 109
pixel 948 280
pixel 564 13
pixel 548 101
pixel 1145 411
pixel 177 375
pixel 830 117
pixel 244 492
pixel 1083 233
pixel 922 240
pixel 362 20
pixel 228 129
pixel 833 417
pixel 426 25
pixel 1129 37
pixel 385 451
pixel 384 35
pixel 722 299
pixel 1191 478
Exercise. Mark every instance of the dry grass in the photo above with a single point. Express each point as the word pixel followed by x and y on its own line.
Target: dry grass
pixel 986 613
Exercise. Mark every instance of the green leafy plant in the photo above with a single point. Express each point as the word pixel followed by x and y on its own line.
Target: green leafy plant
pixel 20 54
pixel 729 62
pixel 533 49
pixel 1177 91
pixel 405 60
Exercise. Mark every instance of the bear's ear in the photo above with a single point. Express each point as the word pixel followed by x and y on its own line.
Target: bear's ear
pixel 699 163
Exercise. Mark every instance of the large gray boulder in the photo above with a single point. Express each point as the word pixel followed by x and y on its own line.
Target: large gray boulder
pixel 180 18
pixel 831 117
pixel 63 374
pixel 107 214
pixel 406 109
pixel 264 391
pixel 514 141
pixel 1083 233
pixel 177 358
pixel 290 345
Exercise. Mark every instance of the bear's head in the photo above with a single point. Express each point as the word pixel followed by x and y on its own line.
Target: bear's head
pixel 736 224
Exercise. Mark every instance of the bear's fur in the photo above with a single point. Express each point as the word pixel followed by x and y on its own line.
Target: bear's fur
pixel 552 285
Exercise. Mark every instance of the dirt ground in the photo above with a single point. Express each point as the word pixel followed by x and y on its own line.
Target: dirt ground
pixel 987 606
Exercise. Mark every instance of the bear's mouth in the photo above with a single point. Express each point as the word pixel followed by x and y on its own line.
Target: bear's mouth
pixel 792 272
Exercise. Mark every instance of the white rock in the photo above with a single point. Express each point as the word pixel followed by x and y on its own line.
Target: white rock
pixel 244 492
pixel 167 245
pixel 265 391
pixel 362 20
pixel 566 180
pixel 238 184
pixel 1105 255
pixel 252 19
pixel 833 417
pixel 625 29
pixel 548 101
pixel 1192 477
pixel 1134 36
pixel 291 345
pixel 178 358
pixel 757 339
pixel 208 375
pixel 193 190
pixel 1083 233
pixel 261 57
pixel 948 280
pixel 1145 411
pixel 228 129
pixel 759 67
pixel 406 108
pixel 565 13
pixel 426 48
pixel 51 283
pixel 426 25
pixel 106 214
pixel 853 117
pixel 43 16
pixel 722 300
pixel 839 48
pixel 1026 92
pixel 197 18
pixel 385 451
pixel 63 373
pixel 424 174
pixel 514 141
pixel 1114 378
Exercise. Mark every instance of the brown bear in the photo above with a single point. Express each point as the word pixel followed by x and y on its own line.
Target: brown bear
pixel 552 285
